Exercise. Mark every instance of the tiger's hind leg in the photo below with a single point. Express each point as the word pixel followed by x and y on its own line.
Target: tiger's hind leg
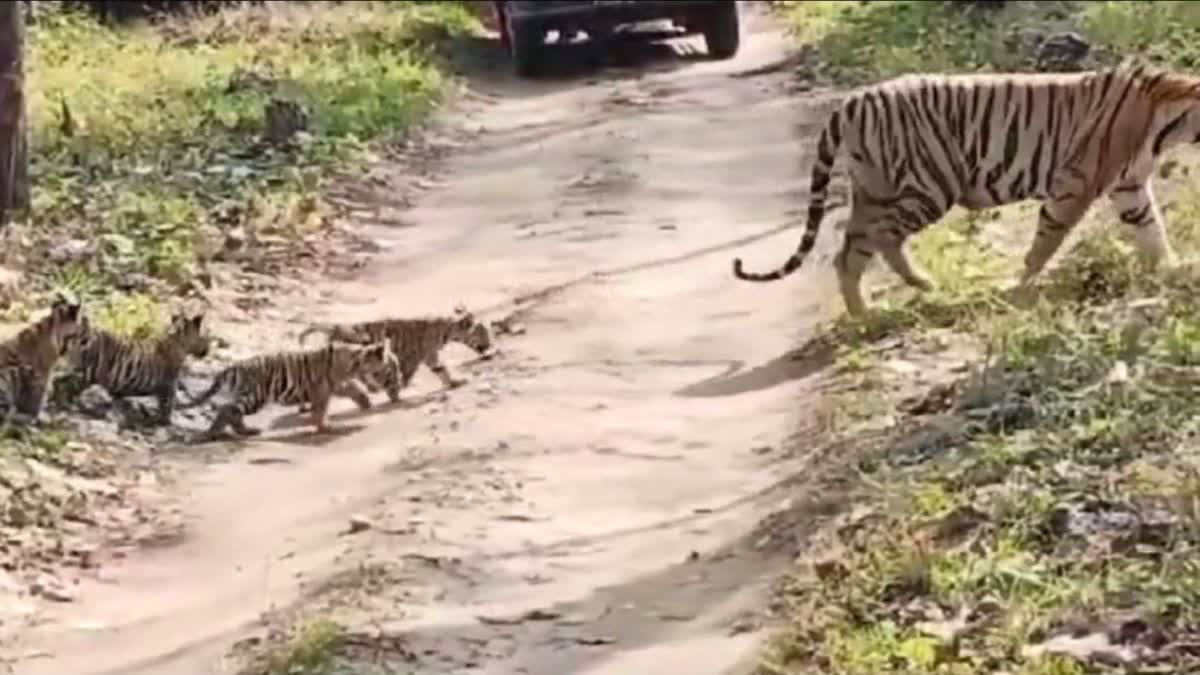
pixel 1057 217
pixel 233 416
pixel 874 230
pixel 320 410
pixel 1136 206
pixel 897 258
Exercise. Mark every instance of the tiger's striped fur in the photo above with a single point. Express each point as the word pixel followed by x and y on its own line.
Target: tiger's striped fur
pixel 127 368
pixel 27 359
pixel 414 341
pixel 292 377
pixel 920 144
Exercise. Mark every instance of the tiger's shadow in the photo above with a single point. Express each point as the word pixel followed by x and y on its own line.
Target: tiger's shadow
pixel 296 419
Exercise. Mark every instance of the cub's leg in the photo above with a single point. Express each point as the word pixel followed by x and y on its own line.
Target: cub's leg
pixel 388 380
pixel 1136 206
pixel 320 410
pixel 435 364
pixel 31 394
pixel 355 391
pixel 223 418
pixel 396 380
pixel 166 405
pixel 233 415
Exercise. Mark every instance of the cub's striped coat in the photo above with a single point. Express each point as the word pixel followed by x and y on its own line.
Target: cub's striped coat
pixel 126 368
pixel 918 145
pixel 290 378
pixel 27 359
pixel 414 341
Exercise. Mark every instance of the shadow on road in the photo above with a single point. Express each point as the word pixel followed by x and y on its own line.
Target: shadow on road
pixel 623 56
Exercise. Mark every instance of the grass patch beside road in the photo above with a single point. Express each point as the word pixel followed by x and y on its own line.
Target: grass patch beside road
pixel 148 159
pixel 865 42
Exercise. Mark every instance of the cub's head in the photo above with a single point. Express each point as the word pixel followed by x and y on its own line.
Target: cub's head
pixel 471 332
pixel 187 331
pixel 66 320
pixel 366 358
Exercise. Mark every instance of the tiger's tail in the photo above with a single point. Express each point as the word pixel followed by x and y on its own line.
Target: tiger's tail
pixel 325 328
pixel 827 147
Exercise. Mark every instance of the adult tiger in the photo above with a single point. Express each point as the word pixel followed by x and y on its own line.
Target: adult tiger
pixel 920 144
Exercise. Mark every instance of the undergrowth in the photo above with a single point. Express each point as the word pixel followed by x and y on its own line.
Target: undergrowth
pixel 148 159
pixel 310 649
pixel 868 41
pixel 1055 530
pixel 1037 514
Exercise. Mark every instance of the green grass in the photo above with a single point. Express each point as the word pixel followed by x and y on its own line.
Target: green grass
pixel 145 139
pixel 1070 502
pixel 1066 501
pixel 310 649
pixel 863 42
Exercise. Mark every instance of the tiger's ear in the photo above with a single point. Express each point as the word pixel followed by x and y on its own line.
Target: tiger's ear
pixel 460 309
pixel 64 300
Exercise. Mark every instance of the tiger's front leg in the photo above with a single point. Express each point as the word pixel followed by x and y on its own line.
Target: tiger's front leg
pixel 31 394
pixel 1136 206
pixel 435 364
pixel 166 405
pixel 355 391
pixel 395 380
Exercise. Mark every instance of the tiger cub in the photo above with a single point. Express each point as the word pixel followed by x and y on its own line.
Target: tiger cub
pixel 292 377
pixel 127 368
pixel 27 359
pixel 414 341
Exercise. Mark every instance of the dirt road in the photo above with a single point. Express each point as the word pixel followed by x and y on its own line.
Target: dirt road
pixel 604 471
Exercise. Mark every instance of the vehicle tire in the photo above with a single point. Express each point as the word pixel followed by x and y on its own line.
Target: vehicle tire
pixel 722 31
pixel 526 44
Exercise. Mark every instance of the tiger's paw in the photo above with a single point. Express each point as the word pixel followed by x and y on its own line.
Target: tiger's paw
pixel 1021 295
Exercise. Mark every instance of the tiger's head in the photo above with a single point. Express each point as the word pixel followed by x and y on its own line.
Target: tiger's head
pixel 362 359
pixel 67 322
pixel 468 330
pixel 187 332
pixel 1172 117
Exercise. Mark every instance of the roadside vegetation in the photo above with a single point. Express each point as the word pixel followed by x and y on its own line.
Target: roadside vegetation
pixel 169 160
pixel 158 152
pixel 1038 512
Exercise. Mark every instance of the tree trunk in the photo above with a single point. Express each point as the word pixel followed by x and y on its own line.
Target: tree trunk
pixel 14 188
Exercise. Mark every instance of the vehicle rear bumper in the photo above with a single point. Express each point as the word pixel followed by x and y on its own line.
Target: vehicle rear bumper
pixel 536 12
